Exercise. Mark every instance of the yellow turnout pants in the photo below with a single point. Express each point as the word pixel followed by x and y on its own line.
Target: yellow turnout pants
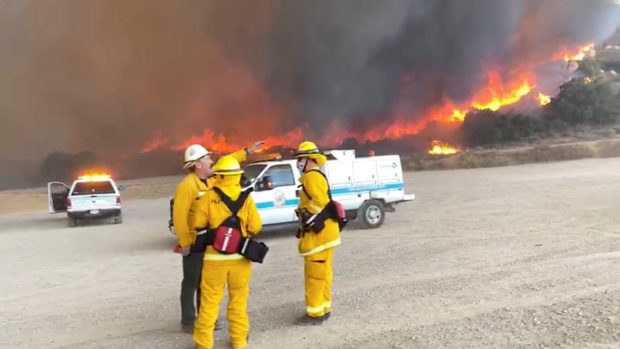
pixel 318 283
pixel 216 275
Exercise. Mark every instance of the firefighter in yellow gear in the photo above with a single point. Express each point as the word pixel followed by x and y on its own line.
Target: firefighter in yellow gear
pixel 221 270
pixel 197 182
pixel 316 243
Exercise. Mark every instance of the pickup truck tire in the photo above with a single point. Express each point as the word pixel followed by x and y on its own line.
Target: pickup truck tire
pixel 118 219
pixel 371 214
pixel 72 222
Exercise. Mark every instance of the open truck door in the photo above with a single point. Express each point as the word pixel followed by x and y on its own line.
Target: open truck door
pixel 57 194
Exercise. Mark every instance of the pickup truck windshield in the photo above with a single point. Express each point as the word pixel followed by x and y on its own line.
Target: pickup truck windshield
pixel 93 188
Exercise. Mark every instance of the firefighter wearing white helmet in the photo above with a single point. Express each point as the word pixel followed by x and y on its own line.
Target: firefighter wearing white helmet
pixel 225 271
pixel 317 237
pixel 198 162
pixel 193 154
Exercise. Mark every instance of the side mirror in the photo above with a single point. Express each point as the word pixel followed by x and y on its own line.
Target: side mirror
pixel 121 187
pixel 247 182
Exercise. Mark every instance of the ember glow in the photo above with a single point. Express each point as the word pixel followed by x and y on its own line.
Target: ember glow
pixel 543 99
pixel 95 177
pixel 439 148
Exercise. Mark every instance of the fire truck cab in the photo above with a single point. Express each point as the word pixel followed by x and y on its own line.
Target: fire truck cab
pixel 89 197
pixel 367 187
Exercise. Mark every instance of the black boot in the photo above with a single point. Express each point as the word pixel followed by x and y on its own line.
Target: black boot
pixel 307 320
pixel 190 328
pixel 187 328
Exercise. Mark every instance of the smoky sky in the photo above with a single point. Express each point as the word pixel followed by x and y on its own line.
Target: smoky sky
pixel 107 76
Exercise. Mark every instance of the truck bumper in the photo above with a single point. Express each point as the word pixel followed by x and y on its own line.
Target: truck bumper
pixel 105 213
pixel 408 197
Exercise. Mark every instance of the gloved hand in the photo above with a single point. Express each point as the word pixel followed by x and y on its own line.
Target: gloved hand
pixel 307 221
pixel 255 147
pixel 183 251
pixel 303 215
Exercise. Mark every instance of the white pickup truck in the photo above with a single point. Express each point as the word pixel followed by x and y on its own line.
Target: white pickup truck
pixel 367 187
pixel 89 197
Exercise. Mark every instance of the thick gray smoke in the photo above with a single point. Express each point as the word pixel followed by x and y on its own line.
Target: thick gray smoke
pixel 347 61
pixel 106 76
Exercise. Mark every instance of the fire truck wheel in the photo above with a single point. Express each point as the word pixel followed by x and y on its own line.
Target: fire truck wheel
pixel 371 214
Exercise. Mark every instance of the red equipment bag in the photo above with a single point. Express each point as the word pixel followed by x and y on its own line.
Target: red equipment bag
pixel 227 237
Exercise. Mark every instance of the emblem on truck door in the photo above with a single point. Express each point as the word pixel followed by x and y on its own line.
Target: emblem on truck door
pixel 279 198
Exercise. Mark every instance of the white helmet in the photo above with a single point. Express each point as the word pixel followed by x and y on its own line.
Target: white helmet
pixel 194 153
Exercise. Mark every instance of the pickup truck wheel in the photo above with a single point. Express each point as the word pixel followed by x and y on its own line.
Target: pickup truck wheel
pixel 72 222
pixel 371 214
pixel 118 219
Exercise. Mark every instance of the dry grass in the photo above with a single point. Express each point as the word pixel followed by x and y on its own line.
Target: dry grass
pixel 505 157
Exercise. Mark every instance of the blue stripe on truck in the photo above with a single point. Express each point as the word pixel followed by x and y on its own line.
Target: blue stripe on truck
pixel 336 192
pixel 270 204
pixel 349 190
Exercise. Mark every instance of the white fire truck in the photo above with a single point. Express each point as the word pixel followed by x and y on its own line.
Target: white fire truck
pixel 367 187
pixel 90 196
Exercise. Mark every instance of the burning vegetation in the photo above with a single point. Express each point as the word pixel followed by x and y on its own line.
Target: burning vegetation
pixel 439 148
pixel 494 95
pixel 543 99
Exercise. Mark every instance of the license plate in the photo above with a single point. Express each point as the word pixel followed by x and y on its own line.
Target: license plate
pixel 94 211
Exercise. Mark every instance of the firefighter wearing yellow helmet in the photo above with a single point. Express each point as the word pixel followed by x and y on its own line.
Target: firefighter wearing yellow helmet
pixel 197 182
pixel 225 270
pixel 316 239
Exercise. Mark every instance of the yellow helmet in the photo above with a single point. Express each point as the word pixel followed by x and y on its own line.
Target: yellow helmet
pixel 307 149
pixel 227 166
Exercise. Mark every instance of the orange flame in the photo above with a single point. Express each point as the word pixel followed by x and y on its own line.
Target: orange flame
pixel 497 94
pixel 215 143
pixel 290 138
pixel 578 54
pixel 494 95
pixel 157 142
pixel 219 143
pixel 498 91
pixel 587 50
pixel 439 148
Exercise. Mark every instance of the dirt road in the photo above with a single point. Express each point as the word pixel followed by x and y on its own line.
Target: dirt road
pixel 514 257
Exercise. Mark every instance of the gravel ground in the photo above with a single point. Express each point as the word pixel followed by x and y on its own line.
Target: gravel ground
pixel 513 257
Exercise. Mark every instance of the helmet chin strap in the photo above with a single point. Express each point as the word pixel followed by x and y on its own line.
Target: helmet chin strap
pixel 305 164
